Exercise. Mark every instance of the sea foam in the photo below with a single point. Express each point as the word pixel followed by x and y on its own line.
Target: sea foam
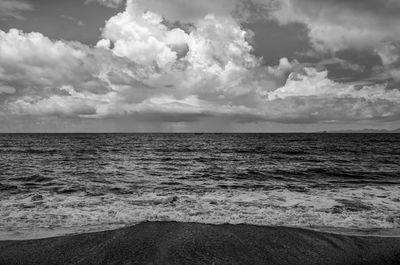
pixel 352 210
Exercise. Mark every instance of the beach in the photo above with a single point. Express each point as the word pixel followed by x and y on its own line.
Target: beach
pixel 59 184
pixel 192 243
pixel 199 199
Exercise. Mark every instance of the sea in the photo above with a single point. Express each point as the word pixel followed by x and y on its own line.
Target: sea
pixel 58 184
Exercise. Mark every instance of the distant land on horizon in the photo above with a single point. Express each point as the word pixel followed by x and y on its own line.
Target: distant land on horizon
pixel 366 131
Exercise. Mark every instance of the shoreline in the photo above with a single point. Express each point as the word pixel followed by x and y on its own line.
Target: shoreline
pixel 352 232
pixel 194 243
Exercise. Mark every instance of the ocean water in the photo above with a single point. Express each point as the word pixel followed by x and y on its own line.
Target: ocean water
pixel 55 184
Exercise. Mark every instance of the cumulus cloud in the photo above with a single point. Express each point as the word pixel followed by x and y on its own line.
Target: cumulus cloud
pixel 141 37
pixel 14 8
pixel 35 65
pixel 333 25
pixel 311 96
pixel 316 84
pixel 151 71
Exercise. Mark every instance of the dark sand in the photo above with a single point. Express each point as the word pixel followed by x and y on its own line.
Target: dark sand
pixel 187 243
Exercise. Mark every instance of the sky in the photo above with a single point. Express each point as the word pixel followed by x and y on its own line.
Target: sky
pixel 199 66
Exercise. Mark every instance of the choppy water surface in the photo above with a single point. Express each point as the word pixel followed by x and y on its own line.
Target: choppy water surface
pixel 63 183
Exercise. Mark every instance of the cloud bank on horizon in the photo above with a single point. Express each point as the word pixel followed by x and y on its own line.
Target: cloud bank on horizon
pixel 179 63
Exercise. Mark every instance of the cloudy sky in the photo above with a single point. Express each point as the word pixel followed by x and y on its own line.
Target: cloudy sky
pixel 210 65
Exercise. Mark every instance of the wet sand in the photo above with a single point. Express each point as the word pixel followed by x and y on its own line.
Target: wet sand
pixel 188 243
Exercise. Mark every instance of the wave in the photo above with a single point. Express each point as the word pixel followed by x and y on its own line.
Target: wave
pixel 358 209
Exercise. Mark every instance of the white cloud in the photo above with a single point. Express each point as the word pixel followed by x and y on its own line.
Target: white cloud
pixel 333 25
pixel 316 84
pixel 32 60
pixel 141 37
pixel 219 58
pixel 311 96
